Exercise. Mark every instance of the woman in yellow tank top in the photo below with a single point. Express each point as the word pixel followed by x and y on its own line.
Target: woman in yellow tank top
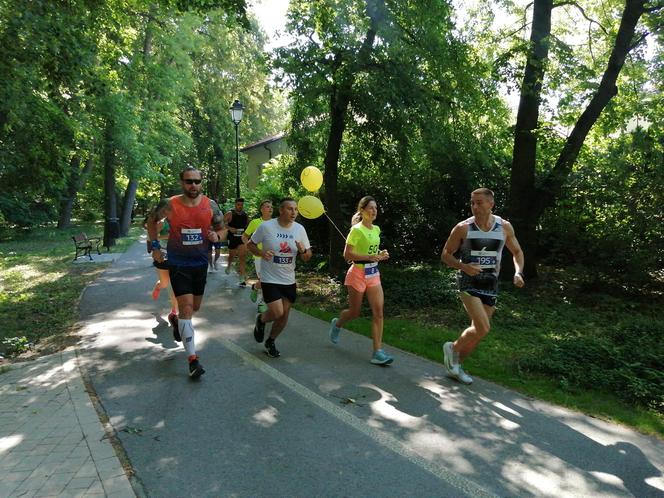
pixel 363 249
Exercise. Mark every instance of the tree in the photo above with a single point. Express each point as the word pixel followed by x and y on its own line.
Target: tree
pixel 397 104
pixel 530 195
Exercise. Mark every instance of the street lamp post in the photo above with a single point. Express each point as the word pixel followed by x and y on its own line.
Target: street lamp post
pixel 236 117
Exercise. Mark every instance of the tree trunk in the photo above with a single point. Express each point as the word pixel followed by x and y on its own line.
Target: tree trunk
pixel 338 106
pixel 527 201
pixel 524 156
pixel 110 202
pixel 74 185
pixel 607 89
pixel 339 102
pixel 128 207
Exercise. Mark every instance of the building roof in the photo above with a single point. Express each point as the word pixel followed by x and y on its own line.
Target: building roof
pixel 265 141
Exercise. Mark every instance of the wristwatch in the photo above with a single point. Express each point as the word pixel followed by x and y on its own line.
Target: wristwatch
pixel 156 244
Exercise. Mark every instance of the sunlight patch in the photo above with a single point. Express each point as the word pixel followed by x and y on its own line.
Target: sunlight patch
pixel 9 442
pixel 267 417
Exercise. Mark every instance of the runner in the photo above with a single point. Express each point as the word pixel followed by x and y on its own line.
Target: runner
pixel 479 240
pixel 164 280
pixel 237 221
pixel 213 259
pixel 282 240
pixel 256 294
pixel 189 216
pixel 363 277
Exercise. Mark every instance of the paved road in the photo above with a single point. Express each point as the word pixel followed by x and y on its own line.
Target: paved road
pixel 321 420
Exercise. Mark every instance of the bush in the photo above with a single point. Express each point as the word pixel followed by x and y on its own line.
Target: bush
pixel 630 369
pixel 14 346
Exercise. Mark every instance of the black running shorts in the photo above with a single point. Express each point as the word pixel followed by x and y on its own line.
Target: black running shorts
pixel 274 292
pixel 188 279
pixel 234 241
pixel 487 300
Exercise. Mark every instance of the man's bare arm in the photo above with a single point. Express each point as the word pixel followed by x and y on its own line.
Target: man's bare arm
pixel 459 232
pixel 517 254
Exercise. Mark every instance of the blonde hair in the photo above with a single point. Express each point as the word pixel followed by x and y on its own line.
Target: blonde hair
pixel 364 202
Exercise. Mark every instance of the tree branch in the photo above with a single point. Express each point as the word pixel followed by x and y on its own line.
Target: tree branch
pixel 583 13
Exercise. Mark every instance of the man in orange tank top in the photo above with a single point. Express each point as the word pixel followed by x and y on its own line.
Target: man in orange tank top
pixel 191 216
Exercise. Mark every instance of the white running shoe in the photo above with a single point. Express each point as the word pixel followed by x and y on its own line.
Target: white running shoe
pixel 462 376
pixel 452 365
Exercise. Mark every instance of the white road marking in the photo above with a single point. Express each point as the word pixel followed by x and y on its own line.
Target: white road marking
pixel 463 484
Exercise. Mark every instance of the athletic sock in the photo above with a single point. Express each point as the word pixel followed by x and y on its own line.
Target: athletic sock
pixel 187 333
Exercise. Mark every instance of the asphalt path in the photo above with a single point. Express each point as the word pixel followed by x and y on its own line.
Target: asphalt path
pixel 321 420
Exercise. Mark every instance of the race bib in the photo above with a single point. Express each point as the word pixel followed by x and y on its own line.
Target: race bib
pixel 282 260
pixel 191 236
pixel 371 269
pixel 239 232
pixel 486 259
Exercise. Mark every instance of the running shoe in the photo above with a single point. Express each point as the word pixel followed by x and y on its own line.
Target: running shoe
pixel 271 350
pixel 448 356
pixel 173 320
pixel 262 308
pixel 380 357
pixel 253 295
pixel 259 329
pixel 334 331
pixel 195 369
pixel 452 365
pixel 463 377
pixel 156 291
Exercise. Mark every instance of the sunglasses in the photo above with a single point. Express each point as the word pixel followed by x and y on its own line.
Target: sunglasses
pixel 189 181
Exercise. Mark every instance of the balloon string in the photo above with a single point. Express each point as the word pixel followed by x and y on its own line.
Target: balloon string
pixel 335 226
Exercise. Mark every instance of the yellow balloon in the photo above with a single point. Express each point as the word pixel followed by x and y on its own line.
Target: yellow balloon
pixel 310 207
pixel 311 178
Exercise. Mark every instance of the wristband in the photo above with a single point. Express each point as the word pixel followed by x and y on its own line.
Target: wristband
pixel 156 244
pixel 520 274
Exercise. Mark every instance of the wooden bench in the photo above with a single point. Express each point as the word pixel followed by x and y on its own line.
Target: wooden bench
pixel 85 244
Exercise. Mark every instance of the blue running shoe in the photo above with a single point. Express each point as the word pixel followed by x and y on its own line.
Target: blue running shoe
pixel 334 331
pixel 380 357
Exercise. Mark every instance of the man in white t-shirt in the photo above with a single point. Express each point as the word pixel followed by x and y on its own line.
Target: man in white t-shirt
pixel 282 240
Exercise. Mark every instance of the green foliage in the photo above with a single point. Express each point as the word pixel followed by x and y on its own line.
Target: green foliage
pixel 604 221
pixel 14 346
pixel 142 85
pixel 424 114
pixel 275 183
pixel 629 368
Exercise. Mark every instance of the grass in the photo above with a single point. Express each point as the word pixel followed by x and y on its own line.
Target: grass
pixel 40 287
pixel 558 313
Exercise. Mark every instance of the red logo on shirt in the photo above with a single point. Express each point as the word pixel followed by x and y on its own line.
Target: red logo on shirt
pixel 284 247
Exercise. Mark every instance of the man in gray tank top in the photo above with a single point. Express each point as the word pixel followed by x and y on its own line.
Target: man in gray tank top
pixel 474 248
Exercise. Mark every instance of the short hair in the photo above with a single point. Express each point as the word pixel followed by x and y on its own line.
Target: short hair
pixel 483 191
pixel 285 200
pixel 190 168
pixel 239 199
